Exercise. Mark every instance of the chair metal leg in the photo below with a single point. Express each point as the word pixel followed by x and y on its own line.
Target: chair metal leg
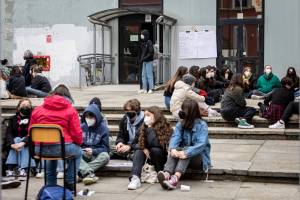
pixel 64 160
pixel 27 180
pixel 45 170
pixel 75 178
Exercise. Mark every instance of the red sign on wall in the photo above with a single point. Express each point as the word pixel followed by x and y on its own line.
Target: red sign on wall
pixel 44 61
pixel 49 38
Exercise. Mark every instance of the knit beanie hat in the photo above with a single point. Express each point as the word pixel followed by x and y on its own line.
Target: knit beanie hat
pixel 188 79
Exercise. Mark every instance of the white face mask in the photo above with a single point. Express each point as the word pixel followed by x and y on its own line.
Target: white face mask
pixel 148 120
pixel 247 73
pixel 226 75
pixel 208 75
pixel 142 37
pixel 90 121
pixel 268 71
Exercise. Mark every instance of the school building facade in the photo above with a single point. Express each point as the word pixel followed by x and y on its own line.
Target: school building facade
pixel 97 41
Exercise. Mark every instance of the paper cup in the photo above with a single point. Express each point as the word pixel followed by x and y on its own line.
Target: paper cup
pixel 185 188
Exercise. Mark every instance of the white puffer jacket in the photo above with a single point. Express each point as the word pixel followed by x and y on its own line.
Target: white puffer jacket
pixel 183 91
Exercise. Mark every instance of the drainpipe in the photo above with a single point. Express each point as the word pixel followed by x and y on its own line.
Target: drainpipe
pixel 94 65
pixel 111 65
pixel 102 32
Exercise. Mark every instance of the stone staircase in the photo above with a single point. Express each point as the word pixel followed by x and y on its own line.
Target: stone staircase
pixel 259 154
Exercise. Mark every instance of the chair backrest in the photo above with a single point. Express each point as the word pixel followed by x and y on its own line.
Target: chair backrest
pixel 46 133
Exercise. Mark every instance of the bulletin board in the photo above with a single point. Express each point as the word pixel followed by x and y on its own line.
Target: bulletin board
pixel 197 44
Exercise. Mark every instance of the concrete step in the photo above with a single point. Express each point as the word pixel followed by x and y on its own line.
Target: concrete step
pixel 218 128
pixel 255 160
pixel 114 119
pixel 236 133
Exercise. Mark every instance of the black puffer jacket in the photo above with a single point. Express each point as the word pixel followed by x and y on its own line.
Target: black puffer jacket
pixel 16 85
pixel 147 50
pixel 40 82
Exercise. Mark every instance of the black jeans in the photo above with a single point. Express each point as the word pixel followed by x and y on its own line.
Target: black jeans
pixel 246 113
pixel 158 159
pixel 158 155
pixel 292 108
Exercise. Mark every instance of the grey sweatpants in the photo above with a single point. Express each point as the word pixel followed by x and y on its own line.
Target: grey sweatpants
pixel 174 165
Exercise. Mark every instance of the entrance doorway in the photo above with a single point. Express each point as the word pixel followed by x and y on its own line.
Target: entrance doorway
pixel 240 34
pixel 130 28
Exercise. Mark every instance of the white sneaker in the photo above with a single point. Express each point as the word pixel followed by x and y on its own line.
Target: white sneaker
pixel 256 97
pixel 135 183
pixel 22 176
pixel 278 125
pixel 10 175
pixel 60 175
pixel 40 175
pixel 142 91
pixel 213 113
pixel 150 91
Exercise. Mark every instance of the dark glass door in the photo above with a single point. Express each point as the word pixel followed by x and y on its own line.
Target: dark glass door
pixel 130 28
pixel 240 34
pixel 240 44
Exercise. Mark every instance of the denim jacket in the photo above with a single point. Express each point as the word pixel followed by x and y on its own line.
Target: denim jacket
pixel 193 141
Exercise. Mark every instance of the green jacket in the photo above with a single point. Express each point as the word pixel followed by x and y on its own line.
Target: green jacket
pixel 266 83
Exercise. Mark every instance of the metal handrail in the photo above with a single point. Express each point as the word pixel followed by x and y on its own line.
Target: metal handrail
pixel 91 62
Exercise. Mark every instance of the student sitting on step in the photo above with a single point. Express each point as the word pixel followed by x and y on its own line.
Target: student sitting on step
pixel 153 139
pixel 189 146
pixel 249 81
pixel 265 84
pixel 95 144
pixel 292 108
pixel 291 73
pixel 40 85
pixel 128 127
pixel 16 133
pixel 225 75
pixel 183 89
pixel 16 83
pixel 57 109
pixel 277 101
pixel 233 104
pixel 170 84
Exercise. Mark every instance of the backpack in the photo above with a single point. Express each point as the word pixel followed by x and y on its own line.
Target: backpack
pixel 54 192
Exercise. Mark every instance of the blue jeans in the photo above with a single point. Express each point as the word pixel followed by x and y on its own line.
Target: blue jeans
pixel 19 158
pixel 39 93
pixel 60 165
pixel 167 102
pixel 147 75
pixel 55 150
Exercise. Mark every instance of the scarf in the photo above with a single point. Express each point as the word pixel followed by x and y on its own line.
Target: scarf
pixel 131 127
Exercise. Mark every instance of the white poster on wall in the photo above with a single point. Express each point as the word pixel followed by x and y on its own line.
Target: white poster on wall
pixel 201 44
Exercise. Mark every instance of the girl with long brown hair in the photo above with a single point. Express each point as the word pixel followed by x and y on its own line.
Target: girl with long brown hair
pixel 153 139
pixel 182 70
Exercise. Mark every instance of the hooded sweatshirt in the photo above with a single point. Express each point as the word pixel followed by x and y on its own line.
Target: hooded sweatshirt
pixel 95 137
pixel 147 50
pixel 58 110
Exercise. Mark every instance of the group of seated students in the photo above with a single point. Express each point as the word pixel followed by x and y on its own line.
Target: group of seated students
pixel 144 136
pixel 209 85
pixel 23 81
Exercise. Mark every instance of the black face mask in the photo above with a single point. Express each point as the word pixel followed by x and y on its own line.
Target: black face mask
pixel 130 115
pixel 25 111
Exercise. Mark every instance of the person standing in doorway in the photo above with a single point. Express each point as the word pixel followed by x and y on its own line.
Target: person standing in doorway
pixel 146 59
